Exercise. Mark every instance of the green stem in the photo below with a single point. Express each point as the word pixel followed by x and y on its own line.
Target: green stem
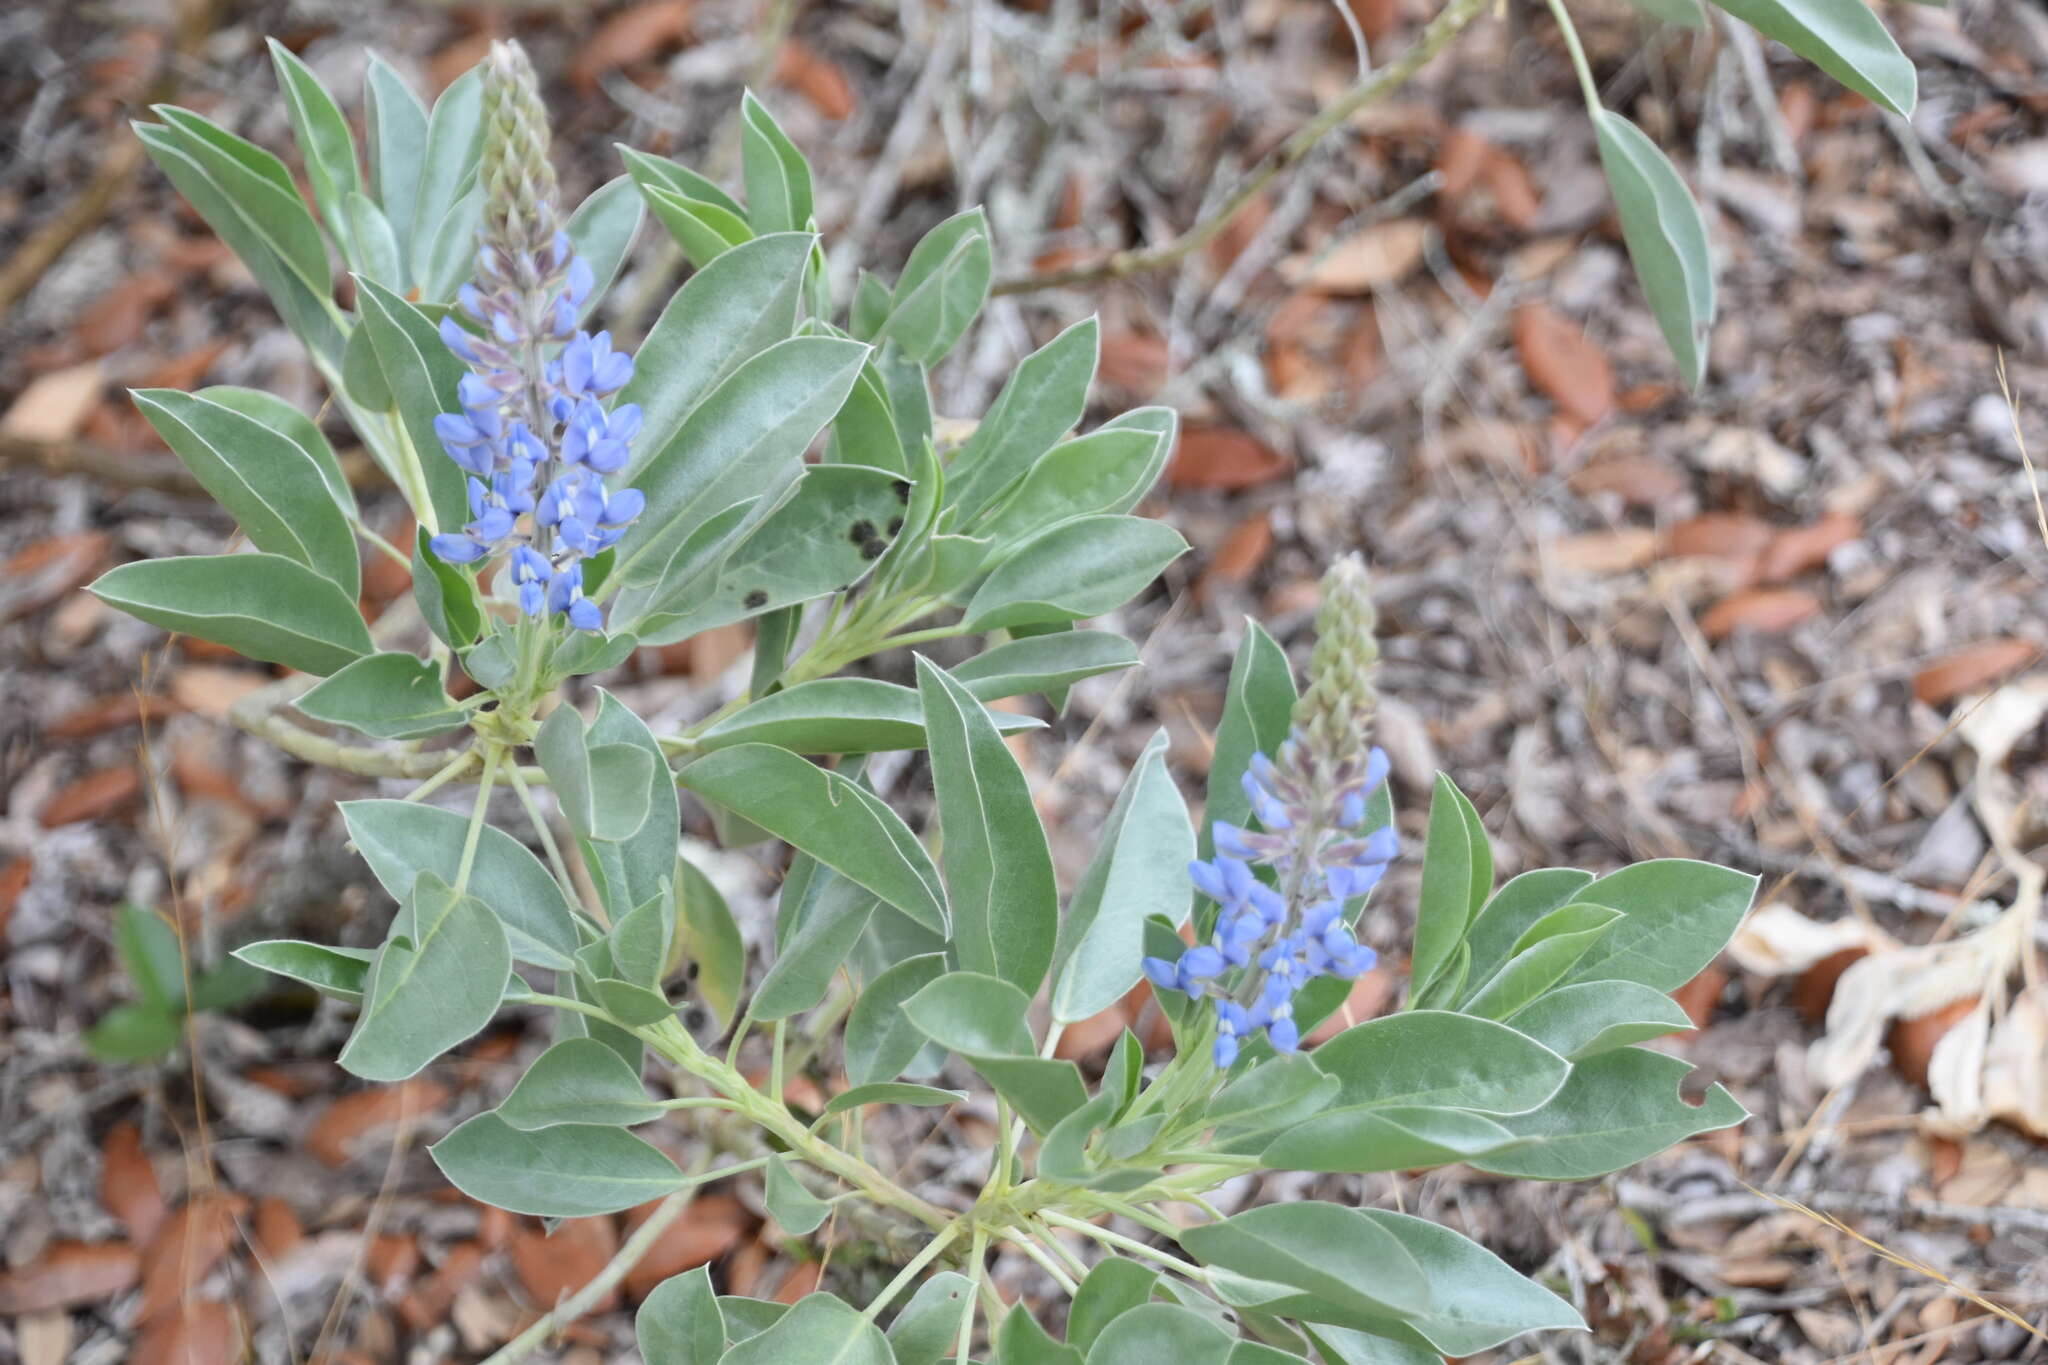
pixel 442 778
pixel 476 818
pixel 547 836
pixel 910 1270
pixel 1025 1243
pixel 979 1273
pixel 563 1002
pixel 1580 65
pixel 1123 1243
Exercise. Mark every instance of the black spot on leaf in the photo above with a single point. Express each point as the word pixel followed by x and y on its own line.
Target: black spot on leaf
pixel 863 532
pixel 902 488
pixel 895 525
pixel 756 599
pixel 873 549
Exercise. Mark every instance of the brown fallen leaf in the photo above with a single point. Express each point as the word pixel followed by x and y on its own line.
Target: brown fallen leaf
pixel 446 66
pixel 1911 1041
pixel 391 1260
pixel 117 317
pixel 277 1227
pixel 1136 362
pixel 95 796
pixel 1699 996
pixel 199 1332
pixel 1239 556
pixel 1563 363
pixel 1768 611
pixel 1798 549
pixel 184 370
pixel 1093 1036
pixel 1735 537
pixel 427 1303
pixel 54 406
pixel 708 1229
pixel 552 1267
pixel 186 1248
pixel 110 713
pixel 1224 458
pixel 638 33
pixel 1972 667
pixel 68 1274
pixel 1638 480
pixel 348 1123
pixel 128 1184
pixel 1367 260
pixel 40 573
pixel 15 876
pixel 1370 995
pixel 802 1279
pixel 817 78
pixel 1603 552
pixel 1815 989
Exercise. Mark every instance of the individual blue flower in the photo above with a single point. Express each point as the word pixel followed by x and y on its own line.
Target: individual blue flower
pixel 1232 1023
pixel 590 368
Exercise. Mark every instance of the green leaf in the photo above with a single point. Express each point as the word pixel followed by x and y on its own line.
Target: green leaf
pixel 1345 1266
pixel 1106 471
pixel 705 231
pixel 943 285
pixel 447 597
pixel 422 375
pixel 1080 568
pixel 998 868
pixel 397 125
pixel 1434 1058
pixel 1677 915
pixel 448 163
pixel 821 1329
pixel 1523 901
pixel 778 179
pixel 389 695
pixel 1280 1085
pixel 328 969
pixel 1457 872
pixel 1391 1139
pixel 789 1202
pixel 1140 868
pixel 636 866
pixel 1258 712
pixel 602 229
pixel 572 1171
pixel 828 817
pixel 149 950
pixel 1685 13
pixel 322 133
pixel 435 983
pixel 1843 38
pixel 1161 1334
pixel 865 432
pixel 1044 663
pixel 744 440
pixel 602 788
pixel 1667 239
pixel 708 936
pixel 578 1080
pixel 893 1092
pixel 448 256
pixel 401 839
pixel 1615 1109
pixel 880 1039
pixel 1598 1016
pixel 731 309
pixel 134 1033
pixel 746 1318
pixel 261 190
pixel 649 170
pixel 263 606
pixel 1478 1301
pixel 1040 403
pixel 820 917
pixel 927 1328
pixel 1113 1287
pixel 1347 1346
pixel 1547 952
pixel 1023 1342
pixel 838 716
pixel 680 1323
pixel 983 1019
pixel 287 421
pixel 265 480
pixel 825 537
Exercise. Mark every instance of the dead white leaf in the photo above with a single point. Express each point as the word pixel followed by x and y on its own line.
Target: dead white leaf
pixel 1777 940
pixel 55 405
pixel 1955 1072
pixel 1903 984
pixel 2016 1064
pixel 1362 262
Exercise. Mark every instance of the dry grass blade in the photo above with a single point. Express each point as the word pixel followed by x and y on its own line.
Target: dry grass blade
pixel 1901 1259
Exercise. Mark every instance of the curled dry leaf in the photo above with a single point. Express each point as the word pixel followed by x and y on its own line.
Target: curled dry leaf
pixel 638 33
pixel 1768 611
pixel 277 1228
pixel 1563 363
pixel 186 1248
pixel 1371 259
pixel 554 1266
pixel 1136 362
pixel 710 1227
pixel 1638 480
pixel 200 1332
pixel 1224 458
pixel 1797 549
pixel 349 1122
pixel 427 1303
pixel 54 406
pixel 1777 940
pixel 2015 1085
pixel 95 796
pixel 1907 983
pixel 1240 554
pixel 1972 667
pixel 1944 1052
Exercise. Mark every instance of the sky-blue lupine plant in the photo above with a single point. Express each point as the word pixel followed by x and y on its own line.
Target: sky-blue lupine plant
pixel 1311 801
pixel 533 434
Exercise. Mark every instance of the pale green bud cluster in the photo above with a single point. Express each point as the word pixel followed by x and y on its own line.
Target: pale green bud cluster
pixel 520 197
pixel 1334 716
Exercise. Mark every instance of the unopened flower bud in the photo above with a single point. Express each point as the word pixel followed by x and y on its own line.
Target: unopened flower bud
pixel 520 198
pixel 1334 716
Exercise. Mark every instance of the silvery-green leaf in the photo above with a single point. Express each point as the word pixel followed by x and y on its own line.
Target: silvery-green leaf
pixel 929 1325
pixel 1434 1058
pixel 1677 914
pixel 578 1080
pixel 893 1092
pixel 602 229
pixel 822 1329
pixel 1139 869
pixel 705 231
pixel 448 162
pixel 1039 403
pixel 327 968
pixel 1844 38
pixel 1457 876
pixel 570 1171
pixel 288 422
pixel 880 1039
pixel 819 918
pixel 1615 1109
pixel 422 374
pixel 262 606
pixel 1112 1287
pixel 1598 1016
pixel 389 695
pixel 708 936
pixel 435 983
pixel 839 716
pixel 397 124
pixel 1044 663
pixel 943 285
pixel 777 177
pixel 679 1323
pixel 1666 237
pixel 1080 568
pixel 323 136
pixel 982 1018
pixel 789 1202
